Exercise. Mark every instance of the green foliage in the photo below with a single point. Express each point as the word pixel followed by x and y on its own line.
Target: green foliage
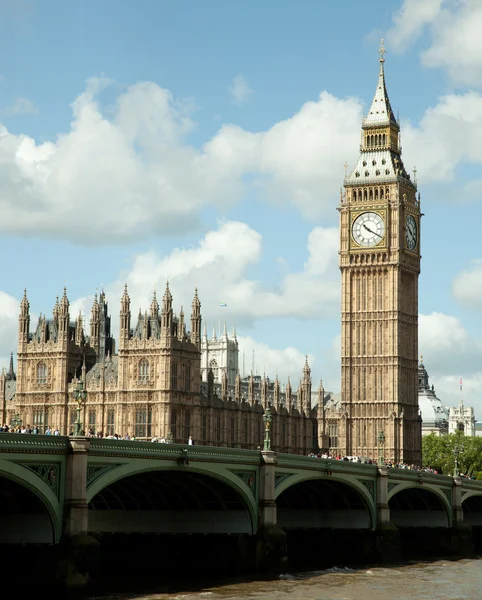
pixel 442 452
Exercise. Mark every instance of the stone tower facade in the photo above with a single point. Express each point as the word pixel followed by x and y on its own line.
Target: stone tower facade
pixel 220 355
pixel 380 265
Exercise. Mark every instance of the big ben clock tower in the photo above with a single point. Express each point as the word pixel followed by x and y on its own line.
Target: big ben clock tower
pixel 380 265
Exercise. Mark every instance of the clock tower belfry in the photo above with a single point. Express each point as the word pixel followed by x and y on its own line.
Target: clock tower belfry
pixel 380 265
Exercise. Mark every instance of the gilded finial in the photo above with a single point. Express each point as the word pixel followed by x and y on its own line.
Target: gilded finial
pixel 382 51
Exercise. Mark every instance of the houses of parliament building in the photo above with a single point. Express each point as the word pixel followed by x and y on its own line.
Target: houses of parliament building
pixel 161 380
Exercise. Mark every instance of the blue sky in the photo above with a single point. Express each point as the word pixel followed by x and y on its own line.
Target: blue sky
pixel 204 142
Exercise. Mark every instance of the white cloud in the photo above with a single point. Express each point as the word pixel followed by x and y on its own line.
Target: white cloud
pixel 9 309
pixel 135 172
pixel 218 264
pixel 448 345
pixel 454 34
pixel 21 106
pixel 410 20
pixel 240 91
pixel 286 362
pixel 437 156
pixel 467 285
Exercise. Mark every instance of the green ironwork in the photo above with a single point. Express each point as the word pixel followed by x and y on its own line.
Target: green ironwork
pixel 96 471
pixel 80 396
pixel 280 477
pixel 249 478
pixel 49 472
pixel 370 486
pixel 267 419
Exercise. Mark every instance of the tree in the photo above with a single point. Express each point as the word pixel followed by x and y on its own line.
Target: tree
pixel 443 452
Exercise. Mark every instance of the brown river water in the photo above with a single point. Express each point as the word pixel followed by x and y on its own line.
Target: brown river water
pixel 441 580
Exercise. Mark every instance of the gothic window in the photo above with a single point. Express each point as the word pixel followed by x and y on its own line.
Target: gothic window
pixel 41 373
pixel 92 418
pixel 333 435
pixel 143 424
pixel 245 430
pixel 376 190
pixel 460 426
pixel 381 194
pixel 204 425
pixel 174 375
pixel 187 377
pixel 364 194
pixel 174 424
pixel 187 425
pixel 110 422
pixel 214 368
pixel 371 194
pixel 217 433
pixel 384 139
pixel 144 371
pixel 38 419
pixel 231 430
pixel 354 195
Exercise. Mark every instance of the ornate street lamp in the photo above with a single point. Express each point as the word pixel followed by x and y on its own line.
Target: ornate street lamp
pixel 381 444
pixel 16 421
pixel 80 396
pixel 267 419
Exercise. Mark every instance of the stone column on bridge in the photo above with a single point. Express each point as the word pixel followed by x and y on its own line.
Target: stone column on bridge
pixel 76 506
pixel 78 552
pixel 387 536
pixel 457 510
pixel 271 551
pixel 383 510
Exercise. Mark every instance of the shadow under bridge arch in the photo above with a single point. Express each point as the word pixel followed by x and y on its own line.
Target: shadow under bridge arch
pixel 418 506
pixel 170 501
pixel 324 503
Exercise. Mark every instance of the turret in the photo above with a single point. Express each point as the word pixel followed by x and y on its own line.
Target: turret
pixel 64 317
pixel 166 315
pixel 10 376
pixel 56 310
pixel 264 391
pixel 196 320
pixel 24 320
pixel 79 331
pixel 225 333
pixel 224 385
pixel 251 390
pixel 276 394
pixel 306 388
pixel 181 329
pixel 154 306
pixel 237 387
pixel 125 318
pixel 288 394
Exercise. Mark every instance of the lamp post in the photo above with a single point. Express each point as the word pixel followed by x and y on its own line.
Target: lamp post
pixel 381 444
pixel 16 421
pixel 267 419
pixel 456 462
pixel 80 396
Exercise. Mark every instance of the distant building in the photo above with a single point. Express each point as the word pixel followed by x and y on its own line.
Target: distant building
pixel 462 418
pixel 435 416
pixel 220 356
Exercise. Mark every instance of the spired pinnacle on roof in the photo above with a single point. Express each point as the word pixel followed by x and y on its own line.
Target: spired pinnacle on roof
pixel 380 112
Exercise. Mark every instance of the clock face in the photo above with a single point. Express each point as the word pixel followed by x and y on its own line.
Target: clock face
pixel 368 229
pixel 411 233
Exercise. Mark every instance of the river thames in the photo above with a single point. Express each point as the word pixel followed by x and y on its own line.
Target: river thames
pixel 442 580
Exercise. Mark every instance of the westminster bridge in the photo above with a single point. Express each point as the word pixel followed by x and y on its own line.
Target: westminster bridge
pixel 54 489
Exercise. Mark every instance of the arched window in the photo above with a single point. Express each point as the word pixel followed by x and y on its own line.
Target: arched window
pixel 364 194
pixel 354 194
pixel 144 371
pixel 384 139
pixel 213 365
pixel 41 373
pixel 371 194
pixel 381 194
pixel 376 193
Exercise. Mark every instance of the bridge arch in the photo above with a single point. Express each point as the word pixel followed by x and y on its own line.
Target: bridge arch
pixel 38 513
pixel 416 505
pixel 153 498
pixel 472 507
pixel 315 500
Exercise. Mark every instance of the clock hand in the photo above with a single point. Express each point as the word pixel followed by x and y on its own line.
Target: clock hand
pixel 373 232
